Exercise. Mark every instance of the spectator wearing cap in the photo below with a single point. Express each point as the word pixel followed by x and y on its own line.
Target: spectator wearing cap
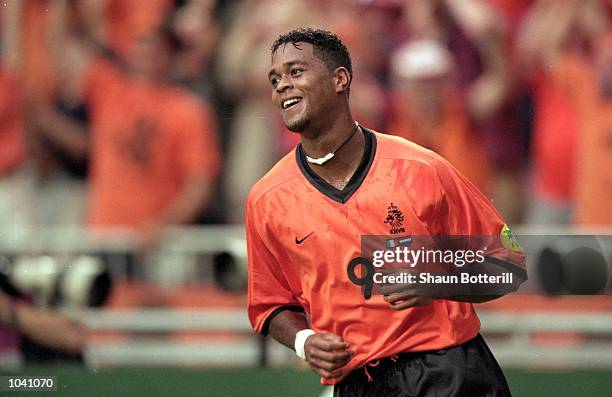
pixel 427 110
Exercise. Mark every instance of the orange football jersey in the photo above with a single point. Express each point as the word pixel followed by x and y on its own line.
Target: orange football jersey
pixel 302 233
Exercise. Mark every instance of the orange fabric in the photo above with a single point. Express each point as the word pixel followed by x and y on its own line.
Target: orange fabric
pixel 593 199
pixel 555 138
pixel 453 139
pixel 146 140
pixel 435 200
pixel 11 125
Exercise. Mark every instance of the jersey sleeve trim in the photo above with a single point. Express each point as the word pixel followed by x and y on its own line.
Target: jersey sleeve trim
pixel 509 266
pixel 265 328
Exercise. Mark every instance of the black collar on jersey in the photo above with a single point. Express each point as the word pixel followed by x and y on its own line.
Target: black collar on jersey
pixel 356 180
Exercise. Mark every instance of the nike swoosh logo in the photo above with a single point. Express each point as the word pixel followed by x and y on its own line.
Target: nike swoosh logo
pixel 298 242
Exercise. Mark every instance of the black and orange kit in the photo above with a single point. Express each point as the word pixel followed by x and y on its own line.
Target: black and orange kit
pixel 302 233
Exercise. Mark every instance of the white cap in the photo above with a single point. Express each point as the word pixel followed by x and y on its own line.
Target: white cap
pixel 421 58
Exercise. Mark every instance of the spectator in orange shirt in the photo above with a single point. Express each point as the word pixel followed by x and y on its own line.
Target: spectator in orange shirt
pixel 153 147
pixel 593 102
pixel 475 33
pixel 427 110
pixel 555 44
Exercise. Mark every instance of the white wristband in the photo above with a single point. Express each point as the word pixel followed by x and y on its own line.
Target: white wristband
pixel 300 341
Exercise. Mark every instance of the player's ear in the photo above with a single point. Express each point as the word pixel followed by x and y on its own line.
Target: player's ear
pixel 342 79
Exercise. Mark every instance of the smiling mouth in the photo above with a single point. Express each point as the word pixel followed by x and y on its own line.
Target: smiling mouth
pixel 287 103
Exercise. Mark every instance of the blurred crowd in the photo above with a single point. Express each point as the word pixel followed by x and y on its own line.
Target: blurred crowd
pixel 149 113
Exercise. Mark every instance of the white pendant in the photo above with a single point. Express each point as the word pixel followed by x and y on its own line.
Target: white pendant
pixel 321 160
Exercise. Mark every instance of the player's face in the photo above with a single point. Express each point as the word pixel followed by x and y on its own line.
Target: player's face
pixel 302 86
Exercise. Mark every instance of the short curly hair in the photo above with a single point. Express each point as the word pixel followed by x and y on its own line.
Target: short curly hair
pixel 326 46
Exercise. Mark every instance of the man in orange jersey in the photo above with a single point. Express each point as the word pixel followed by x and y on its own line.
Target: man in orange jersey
pixel 305 220
pixel 153 146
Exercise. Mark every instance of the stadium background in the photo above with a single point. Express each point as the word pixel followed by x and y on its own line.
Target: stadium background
pixel 516 94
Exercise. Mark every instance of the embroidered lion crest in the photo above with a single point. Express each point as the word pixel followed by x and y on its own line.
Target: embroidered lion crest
pixel 395 219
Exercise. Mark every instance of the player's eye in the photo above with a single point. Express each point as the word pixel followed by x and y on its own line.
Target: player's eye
pixel 296 72
pixel 274 81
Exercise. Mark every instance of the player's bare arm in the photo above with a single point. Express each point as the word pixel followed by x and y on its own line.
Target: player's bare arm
pixel 325 353
pixel 404 296
pixel 400 297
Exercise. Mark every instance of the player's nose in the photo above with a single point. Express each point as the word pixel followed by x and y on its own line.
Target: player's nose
pixel 284 83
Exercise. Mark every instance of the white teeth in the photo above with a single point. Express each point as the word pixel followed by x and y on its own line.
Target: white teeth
pixel 290 102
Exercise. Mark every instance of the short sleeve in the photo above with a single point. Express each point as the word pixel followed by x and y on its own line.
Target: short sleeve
pixel 269 292
pixel 199 154
pixel 462 210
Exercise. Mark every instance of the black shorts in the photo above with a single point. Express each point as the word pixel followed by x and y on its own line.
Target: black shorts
pixel 467 370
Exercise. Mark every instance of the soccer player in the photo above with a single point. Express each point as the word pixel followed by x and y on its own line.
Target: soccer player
pixel 305 220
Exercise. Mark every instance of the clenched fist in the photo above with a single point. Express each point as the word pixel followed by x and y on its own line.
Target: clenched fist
pixel 326 354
